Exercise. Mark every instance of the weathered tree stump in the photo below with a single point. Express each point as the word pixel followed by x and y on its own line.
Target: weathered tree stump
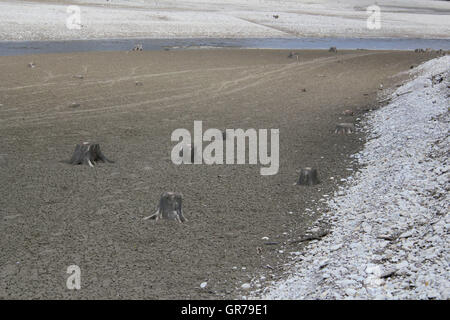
pixel 169 207
pixel 332 49
pixel 88 153
pixel 308 177
pixel 138 47
pixel 344 128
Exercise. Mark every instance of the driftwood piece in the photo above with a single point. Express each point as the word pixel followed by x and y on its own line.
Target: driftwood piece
pixel 347 112
pixel 308 176
pixel 169 207
pixel 344 128
pixel 397 95
pixel 312 237
pixel 88 153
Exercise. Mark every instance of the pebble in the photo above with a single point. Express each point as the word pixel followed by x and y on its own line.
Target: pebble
pixel 350 292
pixel 246 286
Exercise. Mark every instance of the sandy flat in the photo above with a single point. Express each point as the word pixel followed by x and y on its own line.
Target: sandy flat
pixel 54 215
pixel 46 19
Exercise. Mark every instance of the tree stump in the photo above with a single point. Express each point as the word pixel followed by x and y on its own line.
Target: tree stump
pixel 308 177
pixel 169 207
pixel 138 47
pixel 88 153
pixel 344 128
pixel 332 49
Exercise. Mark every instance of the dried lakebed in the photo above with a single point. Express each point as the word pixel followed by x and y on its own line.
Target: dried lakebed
pixel 54 214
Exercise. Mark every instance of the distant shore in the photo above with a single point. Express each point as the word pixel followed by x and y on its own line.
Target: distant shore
pixel 100 19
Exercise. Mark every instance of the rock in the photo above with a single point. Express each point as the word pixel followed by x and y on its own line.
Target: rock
pixel 388 273
pixel 246 286
pixel 350 292
pixel 347 112
pixel 375 270
pixel 374 281
pixel 336 247
pixel 366 227
pixel 203 285
pixel 402 265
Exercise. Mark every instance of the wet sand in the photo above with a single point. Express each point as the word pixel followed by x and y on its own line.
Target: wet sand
pixel 54 215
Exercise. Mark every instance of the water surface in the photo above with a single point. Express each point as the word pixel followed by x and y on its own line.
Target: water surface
pixel 9 48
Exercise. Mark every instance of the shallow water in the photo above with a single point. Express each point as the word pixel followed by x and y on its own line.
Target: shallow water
pixel 11 48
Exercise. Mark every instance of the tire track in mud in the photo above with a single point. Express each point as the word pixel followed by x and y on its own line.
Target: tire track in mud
pixel 250 77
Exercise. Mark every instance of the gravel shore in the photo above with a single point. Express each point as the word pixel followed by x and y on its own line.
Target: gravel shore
pixel 101 19
pixel 389 223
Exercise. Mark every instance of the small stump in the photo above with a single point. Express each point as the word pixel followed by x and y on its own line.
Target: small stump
pixel 333 49
pixel 88 153
pixel 344 128
pixel 169 207
pixel 308 177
